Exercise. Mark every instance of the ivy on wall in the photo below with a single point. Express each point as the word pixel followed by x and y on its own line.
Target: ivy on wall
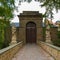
pixel 57 42
pixel 1 34
pixel 44 33
pixel 3 25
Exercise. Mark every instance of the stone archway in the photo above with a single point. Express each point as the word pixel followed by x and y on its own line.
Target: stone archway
pixel 30 21
pixel 30 32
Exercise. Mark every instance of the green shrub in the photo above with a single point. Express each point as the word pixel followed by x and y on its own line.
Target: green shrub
pixel 44 33
pixel 1 34
pixel 58 33
pixel 56 42
pixel 3 25
pixel 1 38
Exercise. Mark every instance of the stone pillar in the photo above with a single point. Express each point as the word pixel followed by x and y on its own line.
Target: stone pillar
pixel 59 27
pixel 48 36
pixel 13 36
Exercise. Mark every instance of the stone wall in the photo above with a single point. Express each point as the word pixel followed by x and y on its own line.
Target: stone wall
pixel 36 20
pixel 22 34
pixel 40 34
pixel 51 49
pixel 17 34
pixel 30 16
pixel 9 52
pixel 53 32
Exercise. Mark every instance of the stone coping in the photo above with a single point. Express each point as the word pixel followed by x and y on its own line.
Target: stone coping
pixel 8 48
pixel 55 47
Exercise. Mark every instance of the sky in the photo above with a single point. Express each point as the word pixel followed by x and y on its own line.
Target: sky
pixel 32 6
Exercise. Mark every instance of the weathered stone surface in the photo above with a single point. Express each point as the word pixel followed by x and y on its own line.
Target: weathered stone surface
pixel 22 35
pixel 32 52
pixel 13 36
pixel 48 37
pixel 9 52
pixel 51 49
pixel 53 32
pixel 30 16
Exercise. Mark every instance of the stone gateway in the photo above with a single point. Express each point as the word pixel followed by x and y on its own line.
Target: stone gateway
pixel 30 30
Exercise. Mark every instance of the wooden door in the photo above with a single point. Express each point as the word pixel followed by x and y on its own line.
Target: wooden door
pixel 31 33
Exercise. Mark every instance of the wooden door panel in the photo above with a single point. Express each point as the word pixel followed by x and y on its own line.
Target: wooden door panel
pixel 31 33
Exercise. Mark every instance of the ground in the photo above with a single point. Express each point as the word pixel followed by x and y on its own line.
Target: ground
pixel 32 52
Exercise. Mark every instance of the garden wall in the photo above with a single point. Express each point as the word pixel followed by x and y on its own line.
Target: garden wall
pixel 51 49
pixel 9 52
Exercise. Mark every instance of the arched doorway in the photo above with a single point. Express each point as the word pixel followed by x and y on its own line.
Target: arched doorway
pixel 30 32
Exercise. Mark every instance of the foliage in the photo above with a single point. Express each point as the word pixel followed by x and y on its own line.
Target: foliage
pixel 6 8
pixel 58 33
pixel 44 33
pixel 50 5
pixel 1 34
pixel 57 42
pixel 6 12
pixel 3 26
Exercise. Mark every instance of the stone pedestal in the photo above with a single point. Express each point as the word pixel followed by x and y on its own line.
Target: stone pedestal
pixel 58 28
pixel 48 36
pixel 13 36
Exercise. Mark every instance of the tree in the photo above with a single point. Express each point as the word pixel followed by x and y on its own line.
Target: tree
pixel 6 12
pixel 6 8
pixel 50 6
